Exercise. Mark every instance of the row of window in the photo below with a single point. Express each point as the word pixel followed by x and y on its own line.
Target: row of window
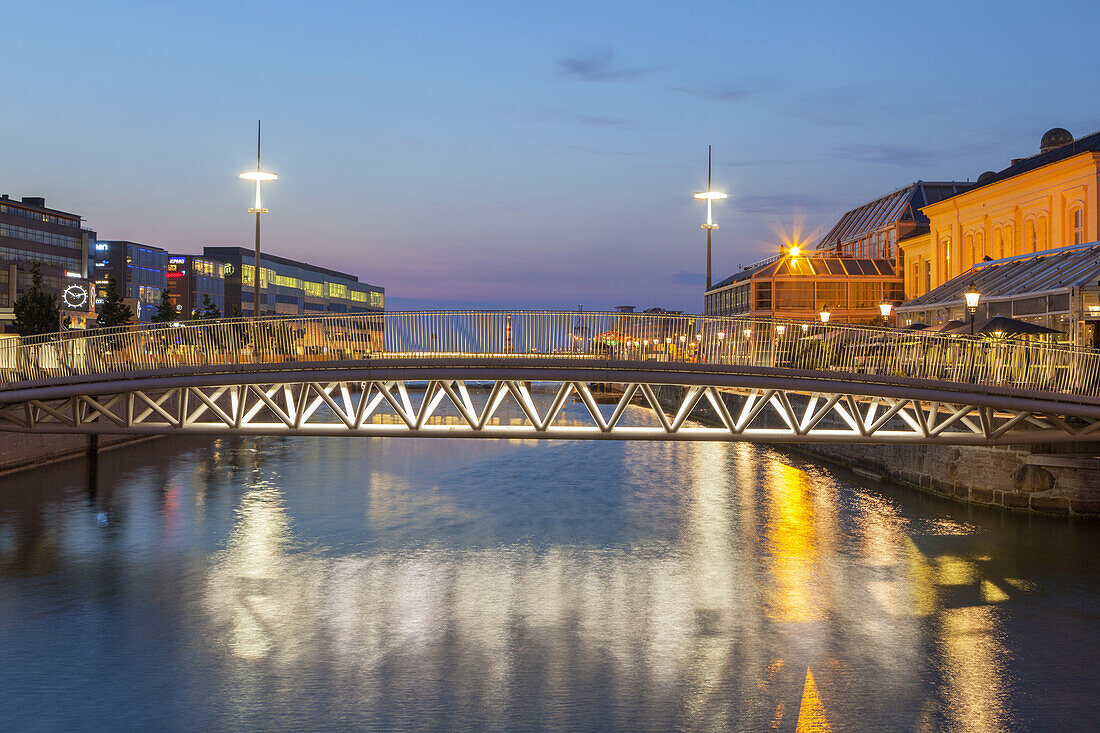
pixel 1003 242
pixel 35 235
pixel 880 245
pixel 39 216
pixel 22 255
pixel 269 278
pixel 804 295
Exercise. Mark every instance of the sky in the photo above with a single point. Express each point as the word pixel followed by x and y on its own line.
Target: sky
pixel 523 155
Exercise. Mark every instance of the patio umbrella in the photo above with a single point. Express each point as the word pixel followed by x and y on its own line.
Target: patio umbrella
pixel 1005 326
pixel 954 326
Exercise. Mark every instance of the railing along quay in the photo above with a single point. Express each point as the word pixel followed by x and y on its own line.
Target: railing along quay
pixel 843 350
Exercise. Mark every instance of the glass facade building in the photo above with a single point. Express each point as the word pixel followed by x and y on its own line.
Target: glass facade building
pixel 799 287
pixel 140 274
pixel 873 230
pixel 289 287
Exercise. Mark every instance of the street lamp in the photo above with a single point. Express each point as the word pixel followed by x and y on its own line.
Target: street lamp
pixel 825 314
pixel 884 308
pixel 972 297
pixel 780 329
pixel 259 177
pixel 710 196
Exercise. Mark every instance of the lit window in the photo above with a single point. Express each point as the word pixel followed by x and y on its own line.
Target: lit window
pixel 1079 226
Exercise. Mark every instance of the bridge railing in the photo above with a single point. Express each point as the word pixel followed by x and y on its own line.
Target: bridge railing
pixel 592 336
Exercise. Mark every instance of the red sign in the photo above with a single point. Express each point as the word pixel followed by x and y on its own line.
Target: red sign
pixel 173 275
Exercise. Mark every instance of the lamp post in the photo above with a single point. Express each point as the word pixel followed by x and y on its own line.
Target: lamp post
pixel 259 177
pixel 825 315
pixel 710 196
pixel 972 297
pixel 884 308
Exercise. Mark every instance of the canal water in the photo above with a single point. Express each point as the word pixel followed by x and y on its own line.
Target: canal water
pixel 401 584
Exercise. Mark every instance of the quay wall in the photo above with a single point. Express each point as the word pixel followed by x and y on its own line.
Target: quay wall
pixel 21 451
pixel 1052 479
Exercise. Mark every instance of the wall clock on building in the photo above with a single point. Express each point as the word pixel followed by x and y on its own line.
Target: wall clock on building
pixel 75 296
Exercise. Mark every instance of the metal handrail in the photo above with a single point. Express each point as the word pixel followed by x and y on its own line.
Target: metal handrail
pixel 842 349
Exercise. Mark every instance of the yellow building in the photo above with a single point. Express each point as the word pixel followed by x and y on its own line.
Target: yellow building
pixel 1039 203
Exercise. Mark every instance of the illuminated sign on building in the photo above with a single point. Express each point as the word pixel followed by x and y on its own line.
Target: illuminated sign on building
pixel 177 260
pixel 99 247
pixel 70 273
pixel 173 275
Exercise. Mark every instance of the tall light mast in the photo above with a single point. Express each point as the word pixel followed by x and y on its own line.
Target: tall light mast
pixel 710 196
pixel 259 177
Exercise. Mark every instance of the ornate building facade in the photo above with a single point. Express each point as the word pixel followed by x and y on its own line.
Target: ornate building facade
pixel 1036 204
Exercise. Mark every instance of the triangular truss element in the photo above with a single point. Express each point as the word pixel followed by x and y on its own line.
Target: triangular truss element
pixel 505 408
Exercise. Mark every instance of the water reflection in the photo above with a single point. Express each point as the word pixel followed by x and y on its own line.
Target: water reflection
pixel 389 584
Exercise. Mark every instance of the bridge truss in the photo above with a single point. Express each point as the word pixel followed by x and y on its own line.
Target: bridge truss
pixel 522 409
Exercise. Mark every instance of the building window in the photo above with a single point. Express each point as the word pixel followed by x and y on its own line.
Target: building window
pixel 1078 226
pixel 945 253
pixel 927 275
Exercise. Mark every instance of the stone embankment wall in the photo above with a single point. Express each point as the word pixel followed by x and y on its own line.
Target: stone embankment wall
pixel 1055 479
pixel 20 451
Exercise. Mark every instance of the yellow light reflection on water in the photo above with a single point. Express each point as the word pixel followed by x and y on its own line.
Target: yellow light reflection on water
pixel 972 654
pixel 791 539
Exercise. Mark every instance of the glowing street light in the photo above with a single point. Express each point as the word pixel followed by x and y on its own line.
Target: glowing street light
pixel 972 297
pixel 794 250
pixel 884 308
pixel 710 196
pixel 825 314
pixel 780 329
pixel 259 177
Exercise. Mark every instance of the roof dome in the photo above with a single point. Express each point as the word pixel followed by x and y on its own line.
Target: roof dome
pixel 985 177
pixel 1055 137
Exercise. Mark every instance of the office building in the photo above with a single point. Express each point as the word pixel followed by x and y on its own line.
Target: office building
pixel 139 271
pixel 193 277
pixel 29 233
pixel 289 287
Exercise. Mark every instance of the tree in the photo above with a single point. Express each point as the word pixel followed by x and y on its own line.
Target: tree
pixel 210 308
pixel 36 311
pixel 166 311
pixel 114 312
pixel 207 310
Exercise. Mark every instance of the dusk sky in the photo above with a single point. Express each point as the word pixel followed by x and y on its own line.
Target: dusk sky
pixel 523 154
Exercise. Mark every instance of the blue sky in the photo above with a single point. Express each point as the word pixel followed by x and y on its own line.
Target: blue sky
pixel 522 154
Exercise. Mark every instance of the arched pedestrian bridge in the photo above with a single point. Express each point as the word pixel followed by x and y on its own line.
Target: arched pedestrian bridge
pixel 451 374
